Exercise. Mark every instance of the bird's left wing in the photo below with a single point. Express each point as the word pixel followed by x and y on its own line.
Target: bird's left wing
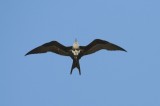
pixel 52 46
pixel 97 45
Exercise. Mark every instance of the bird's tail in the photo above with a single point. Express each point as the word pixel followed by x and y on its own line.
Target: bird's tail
pixel 75 64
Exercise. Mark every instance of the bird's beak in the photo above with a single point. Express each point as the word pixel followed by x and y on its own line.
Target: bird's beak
pixel 75 44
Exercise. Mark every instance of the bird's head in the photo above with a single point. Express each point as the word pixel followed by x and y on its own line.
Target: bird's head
pixel 75 44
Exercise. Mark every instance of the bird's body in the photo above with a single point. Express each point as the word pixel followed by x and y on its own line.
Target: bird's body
pixel 75 51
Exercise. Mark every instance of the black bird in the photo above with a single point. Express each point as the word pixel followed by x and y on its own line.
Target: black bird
pixel 75 51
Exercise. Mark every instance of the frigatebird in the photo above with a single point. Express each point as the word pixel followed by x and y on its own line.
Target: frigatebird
pixel 75 51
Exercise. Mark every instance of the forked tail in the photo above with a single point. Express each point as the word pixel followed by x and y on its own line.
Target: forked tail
pixel 75 64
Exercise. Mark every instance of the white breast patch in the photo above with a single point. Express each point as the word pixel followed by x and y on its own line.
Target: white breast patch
pixel 75 52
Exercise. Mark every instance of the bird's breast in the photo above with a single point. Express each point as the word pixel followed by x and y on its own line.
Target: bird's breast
pixel 76 52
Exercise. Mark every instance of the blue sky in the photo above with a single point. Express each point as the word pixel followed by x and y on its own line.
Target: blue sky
pixel 108 78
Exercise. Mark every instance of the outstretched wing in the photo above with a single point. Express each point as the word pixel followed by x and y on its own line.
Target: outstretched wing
pixel 99 44
pixel 52 46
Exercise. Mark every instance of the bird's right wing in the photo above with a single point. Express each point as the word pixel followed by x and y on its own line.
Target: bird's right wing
pixel 52 46
pixel 99 44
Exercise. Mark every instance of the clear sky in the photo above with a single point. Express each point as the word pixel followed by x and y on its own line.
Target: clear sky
pixel 108 78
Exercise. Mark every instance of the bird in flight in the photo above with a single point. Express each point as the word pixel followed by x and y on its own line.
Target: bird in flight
pixel 75 51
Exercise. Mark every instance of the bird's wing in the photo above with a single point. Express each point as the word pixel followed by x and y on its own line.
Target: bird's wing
pixel 52 46
pixel 99 44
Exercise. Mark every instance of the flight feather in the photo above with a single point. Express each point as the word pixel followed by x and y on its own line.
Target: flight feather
pixel 52 46
pixel 99 44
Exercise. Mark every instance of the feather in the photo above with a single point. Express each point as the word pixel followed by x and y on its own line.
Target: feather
pixel 52 46
pixel 99 44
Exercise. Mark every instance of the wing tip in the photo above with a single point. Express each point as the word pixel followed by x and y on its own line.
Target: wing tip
pixel 26 54
pixel 124 50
